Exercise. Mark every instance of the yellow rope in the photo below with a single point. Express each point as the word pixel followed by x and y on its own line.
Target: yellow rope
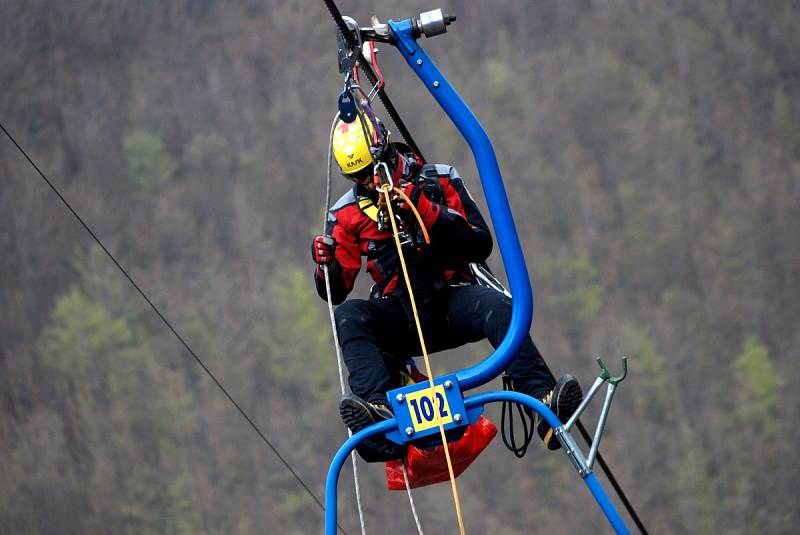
pixel 385 190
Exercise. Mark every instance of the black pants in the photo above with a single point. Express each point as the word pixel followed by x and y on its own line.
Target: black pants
pixel 378 335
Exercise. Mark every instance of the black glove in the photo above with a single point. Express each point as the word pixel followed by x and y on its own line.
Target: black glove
pixel 430 187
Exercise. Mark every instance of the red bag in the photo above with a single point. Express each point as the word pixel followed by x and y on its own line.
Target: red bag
pixel 428 466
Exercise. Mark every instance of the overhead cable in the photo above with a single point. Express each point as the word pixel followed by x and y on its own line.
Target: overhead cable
pixel 168 324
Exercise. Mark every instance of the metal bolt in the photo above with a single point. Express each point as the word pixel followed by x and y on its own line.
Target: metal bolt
pixel 435 84
pixel 457 418
pixel 419 62
pixel 409 431
pixel 448 384
pixel 400 398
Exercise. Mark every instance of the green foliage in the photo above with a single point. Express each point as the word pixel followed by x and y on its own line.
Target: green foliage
pixel 104 369
pixel 759 392
pixel 84 342
pixel 149 164
pixel 652 381
pixel 208 155
pixel 785 125
pixel 575 294
pixel 302 344
pixel 505 86
pixel 650 151
pixel 696 489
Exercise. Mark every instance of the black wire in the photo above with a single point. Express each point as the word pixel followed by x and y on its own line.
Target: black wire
pixel 373 78
pixel 507 415
pixel 609 474
pixel 167 323
pixel 613 481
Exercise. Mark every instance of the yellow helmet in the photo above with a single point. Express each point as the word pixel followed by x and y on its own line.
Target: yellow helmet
pixel 350 148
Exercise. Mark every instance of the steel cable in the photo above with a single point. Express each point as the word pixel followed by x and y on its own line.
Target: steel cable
pixel 168 324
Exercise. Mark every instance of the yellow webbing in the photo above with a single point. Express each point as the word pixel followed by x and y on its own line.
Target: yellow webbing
pixel 385 190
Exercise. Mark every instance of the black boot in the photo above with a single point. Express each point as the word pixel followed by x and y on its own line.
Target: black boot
pixel 358 414
pixel 563 400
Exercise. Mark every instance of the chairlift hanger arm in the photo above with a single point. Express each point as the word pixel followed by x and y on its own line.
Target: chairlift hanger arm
pixel 404 34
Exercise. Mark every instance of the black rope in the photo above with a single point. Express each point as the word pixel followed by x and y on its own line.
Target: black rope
pixel 609 474
pixel 373 78
pixel 167 323
pixel 509 439
pixel 613 480
pixel 507 430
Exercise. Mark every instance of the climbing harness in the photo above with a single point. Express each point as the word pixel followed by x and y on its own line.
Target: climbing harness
pixel 422 411
pixel 485 278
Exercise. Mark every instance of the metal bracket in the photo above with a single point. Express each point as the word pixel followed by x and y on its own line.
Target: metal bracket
pixel 605 374
pixel 613 381
pixel 347 57
pixel 573 451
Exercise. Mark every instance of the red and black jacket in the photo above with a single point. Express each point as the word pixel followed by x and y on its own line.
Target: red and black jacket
pixel 457 230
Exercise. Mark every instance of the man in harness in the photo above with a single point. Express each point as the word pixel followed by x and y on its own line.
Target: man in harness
pixel 377 335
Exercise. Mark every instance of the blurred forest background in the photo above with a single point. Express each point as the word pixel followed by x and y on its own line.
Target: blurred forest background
pixel 651 151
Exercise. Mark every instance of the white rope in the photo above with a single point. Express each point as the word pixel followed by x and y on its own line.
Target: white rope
pixel 411 499
pixel 339 359
pixel 335 334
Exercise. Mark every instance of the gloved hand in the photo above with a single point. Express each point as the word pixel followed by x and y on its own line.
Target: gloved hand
pixel 430 187
pixel 323 250
pixel 427 210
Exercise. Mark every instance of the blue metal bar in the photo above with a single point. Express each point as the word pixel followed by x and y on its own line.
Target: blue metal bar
pixel 478 400
pixel 496 198
pixel 605 504
pixel 589 479
pixel 332 481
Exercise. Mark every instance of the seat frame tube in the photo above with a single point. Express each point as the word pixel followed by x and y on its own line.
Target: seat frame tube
pixel 478 400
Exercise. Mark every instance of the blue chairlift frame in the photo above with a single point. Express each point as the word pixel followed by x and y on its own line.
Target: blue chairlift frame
pixel 401 429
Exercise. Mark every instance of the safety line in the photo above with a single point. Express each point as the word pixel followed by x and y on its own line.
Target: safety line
pixel 410 499
pixel 167 323
pixel 339 359
pixel 385 190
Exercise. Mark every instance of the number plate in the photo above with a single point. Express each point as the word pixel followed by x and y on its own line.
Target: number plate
pixel 423 409
pixel 416 410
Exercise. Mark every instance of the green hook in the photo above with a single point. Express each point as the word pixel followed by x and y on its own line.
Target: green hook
pixel 606 375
